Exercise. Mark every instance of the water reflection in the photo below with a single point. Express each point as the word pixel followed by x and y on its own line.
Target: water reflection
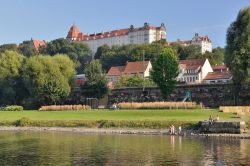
pixel 55 148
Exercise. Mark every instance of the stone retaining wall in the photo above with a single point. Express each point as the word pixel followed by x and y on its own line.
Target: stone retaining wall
pixel 222 127
pixel 210 95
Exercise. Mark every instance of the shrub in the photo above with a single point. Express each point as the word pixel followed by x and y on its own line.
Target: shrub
pixel 12 108
pixel 64 107
pixel 23 122
pixel 158 105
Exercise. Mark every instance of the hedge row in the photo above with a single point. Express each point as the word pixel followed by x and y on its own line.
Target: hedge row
pixel 100 123
pixel 12 108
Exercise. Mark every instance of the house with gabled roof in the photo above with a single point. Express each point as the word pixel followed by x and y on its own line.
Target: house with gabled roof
pixel 220 74
pixel 193 70
pixel 141 68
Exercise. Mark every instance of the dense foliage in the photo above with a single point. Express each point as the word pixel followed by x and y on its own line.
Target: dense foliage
pixel 11 108
pixel 238 48
pixel 77 51
pixel 164 71
pixel 119 55
pixel 10 66
pixel 47 78
pixel 33 81
pixel 26 48
pixel 216 57
pixel 134 81
pixel 96 84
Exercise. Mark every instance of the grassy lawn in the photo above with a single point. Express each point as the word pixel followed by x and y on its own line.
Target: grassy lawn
pixel 130 115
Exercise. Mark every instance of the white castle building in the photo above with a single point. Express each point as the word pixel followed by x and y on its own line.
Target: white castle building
pixel 203 42
pixel 142 35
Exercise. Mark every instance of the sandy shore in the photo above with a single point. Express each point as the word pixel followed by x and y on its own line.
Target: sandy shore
pixel 122 131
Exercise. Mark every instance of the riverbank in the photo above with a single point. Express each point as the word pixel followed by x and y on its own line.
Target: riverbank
pixel 187 133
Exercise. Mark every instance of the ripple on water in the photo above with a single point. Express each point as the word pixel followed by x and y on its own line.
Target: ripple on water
pixel 55 148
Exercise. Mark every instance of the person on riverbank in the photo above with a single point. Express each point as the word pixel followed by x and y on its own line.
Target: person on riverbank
pixel 179 130
pixel 217 118
pixel 210 119
pixel 172 130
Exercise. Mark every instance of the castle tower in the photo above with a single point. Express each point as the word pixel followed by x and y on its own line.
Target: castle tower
pixel 73 32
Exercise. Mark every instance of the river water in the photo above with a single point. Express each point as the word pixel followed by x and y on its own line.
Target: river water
pixel 65 148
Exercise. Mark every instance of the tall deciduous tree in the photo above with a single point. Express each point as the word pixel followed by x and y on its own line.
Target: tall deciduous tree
pixel 96 84
pixel 10 66
pixel 77 51
pixel 238 47
pixel 48 78
pixel 237 55
pixel 164 71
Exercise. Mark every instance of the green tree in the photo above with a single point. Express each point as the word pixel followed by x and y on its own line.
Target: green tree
pixel 10 66
pixel 101 51
pixel 115 56
pixel 187 52
pixel 77 51
pixel 133 81
pixel 216 57
pixel 8 47
pixel 27 49
pixel 237 56
pixel 48 79
pixel 96 84
pixel 119 55
pixel 164 71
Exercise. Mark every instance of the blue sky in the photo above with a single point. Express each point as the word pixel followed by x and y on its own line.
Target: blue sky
pixel 50 19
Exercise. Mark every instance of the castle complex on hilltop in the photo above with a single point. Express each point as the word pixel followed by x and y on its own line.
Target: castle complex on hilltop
pixel 203 42
pixel 142 35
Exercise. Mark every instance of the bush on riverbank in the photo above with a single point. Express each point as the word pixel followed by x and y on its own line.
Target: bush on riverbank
pixel 12 108
pixel 26 122
pixel 64 107
pixel 159 105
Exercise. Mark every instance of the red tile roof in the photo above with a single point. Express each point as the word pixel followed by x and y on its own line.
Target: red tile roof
pixel 75 33
pixel 38 43
pixel 130 68
pixel 218 75
pixel 116 71
pixel 192 62
pixel 136 67
pixel 119 32
pixel 220 68
pixel 204 38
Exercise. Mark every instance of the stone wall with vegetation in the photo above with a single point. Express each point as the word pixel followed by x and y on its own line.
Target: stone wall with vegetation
pixel 222 127
pixel 213 95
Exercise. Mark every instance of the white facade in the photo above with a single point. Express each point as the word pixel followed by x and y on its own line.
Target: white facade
pixel 143 35
pixel 140 68
pixel 193 71
pixel 203 42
